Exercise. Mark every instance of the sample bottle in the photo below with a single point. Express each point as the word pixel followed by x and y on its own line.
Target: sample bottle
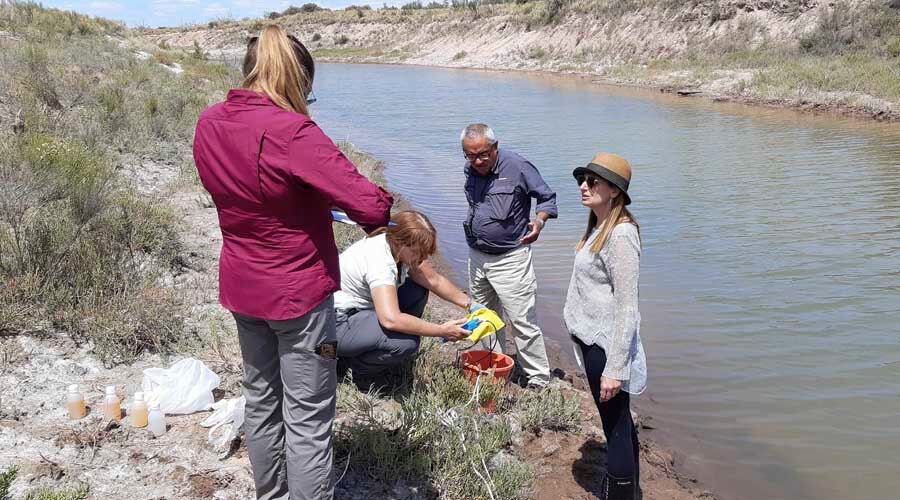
pixel 156 420
pixel 112 407
pixel 138 411
pixel 75 403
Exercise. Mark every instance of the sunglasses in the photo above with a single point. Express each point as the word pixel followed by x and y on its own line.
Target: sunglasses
pixel 591 180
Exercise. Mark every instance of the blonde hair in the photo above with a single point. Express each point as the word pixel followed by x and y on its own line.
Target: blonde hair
pixel 412 230
pixel 618 214
pixel 280 67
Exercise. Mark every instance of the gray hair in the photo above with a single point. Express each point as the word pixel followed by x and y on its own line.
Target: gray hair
pixel 477 131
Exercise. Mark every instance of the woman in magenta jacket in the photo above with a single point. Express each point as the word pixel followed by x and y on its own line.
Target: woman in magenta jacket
pixel 274 177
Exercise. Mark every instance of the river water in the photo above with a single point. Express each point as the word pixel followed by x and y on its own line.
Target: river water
pixel 770 280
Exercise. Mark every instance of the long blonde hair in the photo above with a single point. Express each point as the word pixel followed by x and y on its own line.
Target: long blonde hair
pixel 618 214
pixel 279 66
pixel 412 230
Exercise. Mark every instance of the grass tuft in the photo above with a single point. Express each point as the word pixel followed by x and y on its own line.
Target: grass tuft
pixel 77 493
pixel 430 431
pixel 549 409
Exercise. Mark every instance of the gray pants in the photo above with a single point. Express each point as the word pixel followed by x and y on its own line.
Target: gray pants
pixel 371 349
pixel 506 284
pixel 290 393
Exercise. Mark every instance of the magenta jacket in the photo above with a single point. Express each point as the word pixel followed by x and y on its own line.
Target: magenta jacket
pixel 274 177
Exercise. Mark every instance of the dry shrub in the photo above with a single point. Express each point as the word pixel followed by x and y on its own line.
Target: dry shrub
pixel 436 436
pixel 79 249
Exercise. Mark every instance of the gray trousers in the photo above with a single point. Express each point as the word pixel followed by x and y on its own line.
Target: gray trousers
pixel 505 283
pixel 290 393
pixel 372 349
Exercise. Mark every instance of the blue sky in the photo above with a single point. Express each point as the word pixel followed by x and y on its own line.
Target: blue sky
pixel 153 13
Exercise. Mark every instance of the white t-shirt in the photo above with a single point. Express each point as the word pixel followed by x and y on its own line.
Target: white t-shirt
pixel 365 266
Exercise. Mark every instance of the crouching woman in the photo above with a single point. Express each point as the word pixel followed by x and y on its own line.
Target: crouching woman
pixel 601 314
pixel 385 281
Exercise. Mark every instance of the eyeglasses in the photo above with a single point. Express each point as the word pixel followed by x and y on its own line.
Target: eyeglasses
pixel 481 155
pixel 591 180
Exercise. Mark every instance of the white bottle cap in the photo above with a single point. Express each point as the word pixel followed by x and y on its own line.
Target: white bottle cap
pixel 154 406
pixel 73 389
pixel 110 390
pixel 139 396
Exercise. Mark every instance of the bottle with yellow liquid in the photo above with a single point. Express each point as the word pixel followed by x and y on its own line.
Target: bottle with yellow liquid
pixel 75 403
pixel 138 411
pixel 112 407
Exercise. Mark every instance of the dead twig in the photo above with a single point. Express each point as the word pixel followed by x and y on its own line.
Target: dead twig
pixel 346 467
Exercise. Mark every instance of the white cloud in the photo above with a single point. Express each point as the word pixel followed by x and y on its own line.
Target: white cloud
pixel 216 10
pixel 178 12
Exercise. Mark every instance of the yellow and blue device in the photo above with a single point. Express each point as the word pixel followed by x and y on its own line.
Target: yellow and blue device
pixel 482 323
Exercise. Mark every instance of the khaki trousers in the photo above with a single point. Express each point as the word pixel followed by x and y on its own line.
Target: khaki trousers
pixel 506 284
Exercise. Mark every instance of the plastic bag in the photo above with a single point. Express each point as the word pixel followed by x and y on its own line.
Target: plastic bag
pixel 226 420
pixel 185 387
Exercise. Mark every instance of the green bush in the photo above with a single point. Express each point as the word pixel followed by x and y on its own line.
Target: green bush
pixel 80 250
pixel 893 48
pixel 6 480
pixel 536 52
pixel 77 243
pixel 549 409
pixel 38 82
pixel 435 435
pixel 305 8
pixel 77 493
pixel 30 17
pixel 198 52
pixel 554 11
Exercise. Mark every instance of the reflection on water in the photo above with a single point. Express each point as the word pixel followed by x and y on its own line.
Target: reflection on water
pixel 770 286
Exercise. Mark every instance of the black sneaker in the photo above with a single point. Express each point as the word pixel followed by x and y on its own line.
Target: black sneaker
pixel 534 386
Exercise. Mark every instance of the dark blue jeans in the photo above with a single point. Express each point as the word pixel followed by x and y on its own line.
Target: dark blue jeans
pixel 622 449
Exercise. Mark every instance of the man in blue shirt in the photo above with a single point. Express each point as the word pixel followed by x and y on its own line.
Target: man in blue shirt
pixel 499 187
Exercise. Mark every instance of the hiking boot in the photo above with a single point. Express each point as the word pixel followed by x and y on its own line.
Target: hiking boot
pixel 618 488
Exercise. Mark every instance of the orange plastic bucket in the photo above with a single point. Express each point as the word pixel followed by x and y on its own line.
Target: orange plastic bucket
pixel 486 363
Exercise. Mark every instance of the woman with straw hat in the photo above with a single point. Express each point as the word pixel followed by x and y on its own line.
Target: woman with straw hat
pixel 601 314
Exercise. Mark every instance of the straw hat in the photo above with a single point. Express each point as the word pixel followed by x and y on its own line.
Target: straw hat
pixel 611 167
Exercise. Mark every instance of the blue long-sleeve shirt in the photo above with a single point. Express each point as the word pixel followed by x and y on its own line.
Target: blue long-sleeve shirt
pixel 500 203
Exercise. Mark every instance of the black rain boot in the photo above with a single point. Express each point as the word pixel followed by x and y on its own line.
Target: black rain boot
pixel 618 488
pixel 638 494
